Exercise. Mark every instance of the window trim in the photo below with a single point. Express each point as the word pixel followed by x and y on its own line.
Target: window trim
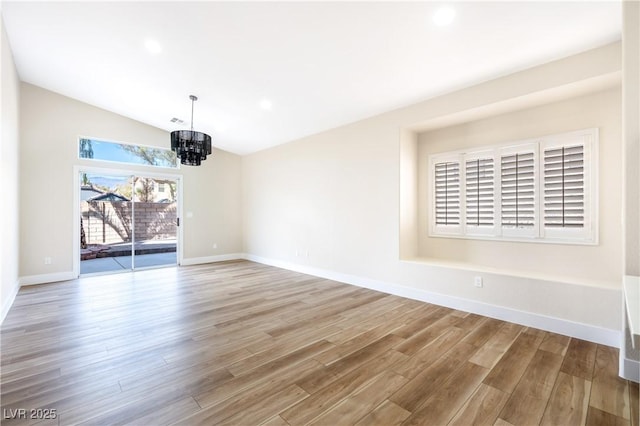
pixel 588 235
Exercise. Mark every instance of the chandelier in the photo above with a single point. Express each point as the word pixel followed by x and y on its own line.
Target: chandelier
pixel 190 146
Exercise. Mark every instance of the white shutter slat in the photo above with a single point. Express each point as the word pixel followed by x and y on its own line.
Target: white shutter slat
pixel 479 192
pixel 517 190
pixel 447 193
pixel 564 187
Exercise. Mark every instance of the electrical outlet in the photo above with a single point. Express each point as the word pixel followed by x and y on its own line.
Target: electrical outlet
pixel 215 245
pixel 47 260
pixel 297 253
pixel 477 281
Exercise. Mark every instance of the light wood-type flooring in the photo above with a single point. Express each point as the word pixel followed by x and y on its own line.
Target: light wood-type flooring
pixel 239 343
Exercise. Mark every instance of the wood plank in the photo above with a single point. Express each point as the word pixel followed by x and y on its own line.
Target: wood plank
pixel 428 334
pixel 282 366
pixel 263 408
pixel 508 371
pixel 483 331
pixel 490 353
pixel 580 359
pixel 430 381
pixel 529 399
pixel 228 405
pixel 421 318
pixel 363 355
pixel 555 343
pixel 275 421
pixel 482 408
pixel 597 417
pixel 442 406
pixel 174 412
pixel 609 392
pixel 362 401
pixel 325 398
pixel 430 353
pixel 634 400
pixel 386 414
pixel 569 401
pixel 358 342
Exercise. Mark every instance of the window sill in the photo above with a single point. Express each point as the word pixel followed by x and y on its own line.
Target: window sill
pixel 535 240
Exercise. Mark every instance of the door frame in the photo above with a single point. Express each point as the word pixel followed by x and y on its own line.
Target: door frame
pixel 77 169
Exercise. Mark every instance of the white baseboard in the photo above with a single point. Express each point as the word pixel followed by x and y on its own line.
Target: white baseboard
pixel 8 302
pixel 587 332
pixel 629 369
pixel 47 278
pixel 211 259
pixel 565 327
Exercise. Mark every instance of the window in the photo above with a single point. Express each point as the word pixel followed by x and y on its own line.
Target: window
pixel 447 195
pixel 480 194
pixel 95 149
pixel 539 190
pixel 161 187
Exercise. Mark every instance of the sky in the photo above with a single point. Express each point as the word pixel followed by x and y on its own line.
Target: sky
pixel 111 151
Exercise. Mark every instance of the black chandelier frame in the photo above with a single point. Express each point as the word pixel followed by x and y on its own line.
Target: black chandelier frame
pixel 190 146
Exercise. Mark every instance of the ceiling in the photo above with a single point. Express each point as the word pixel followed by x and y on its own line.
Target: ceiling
pixel 267 73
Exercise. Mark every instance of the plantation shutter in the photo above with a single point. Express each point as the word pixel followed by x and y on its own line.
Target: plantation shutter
pixel 517 180
pixel 564 182
pixel 543 189
pixel 479 192
pixel 447 193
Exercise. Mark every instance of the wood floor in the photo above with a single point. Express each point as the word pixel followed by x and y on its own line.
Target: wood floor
pixel 239 343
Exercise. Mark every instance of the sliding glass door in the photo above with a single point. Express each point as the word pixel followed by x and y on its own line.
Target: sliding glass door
pixel 127 222
pixel 155 230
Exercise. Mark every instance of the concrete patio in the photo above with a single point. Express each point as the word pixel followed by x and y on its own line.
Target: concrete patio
pixel 119 263
pixel 117 257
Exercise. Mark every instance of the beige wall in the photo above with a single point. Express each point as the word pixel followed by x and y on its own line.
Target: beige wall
pixel 9 143
pixel 597 265
pixel 631 107
pixel 339 204
pixel 50 127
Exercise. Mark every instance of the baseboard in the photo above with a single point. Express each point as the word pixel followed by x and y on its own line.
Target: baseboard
pixel 47 278
pixel 629 369
pixel 565 327
pixel 211 259
pixel 8 302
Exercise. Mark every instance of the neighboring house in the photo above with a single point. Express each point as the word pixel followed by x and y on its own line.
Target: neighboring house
pixel 108 196
pixel 160 192
pixel 88 192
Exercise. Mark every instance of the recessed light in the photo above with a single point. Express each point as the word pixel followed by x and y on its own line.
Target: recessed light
pixel 266 104
pixel 152 46
pixel 444 16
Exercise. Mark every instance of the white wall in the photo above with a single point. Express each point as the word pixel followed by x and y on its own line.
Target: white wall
pixel 598 265
pixel 9 166
pixel 631 125
pixel 50 127
pixel 331 204
pixel 629 356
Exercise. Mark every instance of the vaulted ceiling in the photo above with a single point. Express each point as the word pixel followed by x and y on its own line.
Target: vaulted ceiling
pixel 268 72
